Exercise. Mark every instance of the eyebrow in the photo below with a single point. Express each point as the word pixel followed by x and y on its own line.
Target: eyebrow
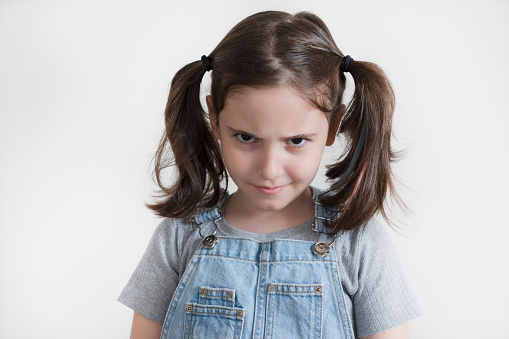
pixel 298 136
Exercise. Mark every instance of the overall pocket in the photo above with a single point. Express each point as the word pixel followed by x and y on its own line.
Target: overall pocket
pixel 214 316
pixel 294 311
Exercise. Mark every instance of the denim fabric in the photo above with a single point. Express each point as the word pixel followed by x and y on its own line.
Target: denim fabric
pixel 242 288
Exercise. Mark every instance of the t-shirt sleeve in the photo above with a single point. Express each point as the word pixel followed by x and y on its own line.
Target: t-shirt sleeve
pixel 151 286
pixel 383 298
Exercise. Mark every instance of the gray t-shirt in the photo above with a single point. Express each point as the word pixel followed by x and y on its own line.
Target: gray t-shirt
pixel 376 292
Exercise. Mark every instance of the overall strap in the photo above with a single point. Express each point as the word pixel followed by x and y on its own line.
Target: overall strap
pixel 209 215
pixel 323 215
pixel 209 240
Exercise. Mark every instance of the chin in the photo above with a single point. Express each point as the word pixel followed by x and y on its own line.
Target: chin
pixel 274 202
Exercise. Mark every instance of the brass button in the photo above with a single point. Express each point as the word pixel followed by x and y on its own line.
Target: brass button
pixel 321 249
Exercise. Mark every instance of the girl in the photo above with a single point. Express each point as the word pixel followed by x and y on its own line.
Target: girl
pixel 276 259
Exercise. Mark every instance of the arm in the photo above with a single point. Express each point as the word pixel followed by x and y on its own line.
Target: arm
pixel 398 332
pixel 150 288
pixel 383 301
pixel 144 328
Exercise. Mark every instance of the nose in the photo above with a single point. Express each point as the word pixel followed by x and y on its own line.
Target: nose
pixel 271 164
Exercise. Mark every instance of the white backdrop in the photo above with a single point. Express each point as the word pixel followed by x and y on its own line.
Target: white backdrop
pixel 83 85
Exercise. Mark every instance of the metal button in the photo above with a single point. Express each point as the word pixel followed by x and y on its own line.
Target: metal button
pixel 203 291
pixel 210 241
pixel 321 249
pixel 240 313
pixel 189 308
pixel 318 289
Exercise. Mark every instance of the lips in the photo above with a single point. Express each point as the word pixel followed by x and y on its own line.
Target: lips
pixel 270 190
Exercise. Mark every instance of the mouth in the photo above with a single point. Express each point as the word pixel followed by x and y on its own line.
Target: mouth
pixel 270 190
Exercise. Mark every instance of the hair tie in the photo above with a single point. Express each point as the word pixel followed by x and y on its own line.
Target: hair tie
pixel 345 63
pixel 206 62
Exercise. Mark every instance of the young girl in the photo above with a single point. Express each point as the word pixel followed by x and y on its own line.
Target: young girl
pixel 277 258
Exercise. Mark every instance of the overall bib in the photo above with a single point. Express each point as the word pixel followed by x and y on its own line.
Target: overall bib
pixel 241 288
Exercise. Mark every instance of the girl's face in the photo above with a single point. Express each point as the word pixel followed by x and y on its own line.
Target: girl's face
pixel 272 142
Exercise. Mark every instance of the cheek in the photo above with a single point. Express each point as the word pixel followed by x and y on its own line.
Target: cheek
pixel 236 162
pixel 307 167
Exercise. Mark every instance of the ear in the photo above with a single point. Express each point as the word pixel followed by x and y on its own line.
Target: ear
pixel 213 117
pixel 334 125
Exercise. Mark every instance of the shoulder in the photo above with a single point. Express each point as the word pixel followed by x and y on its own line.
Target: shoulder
pixel 177 232
pixel 356 248
pixel 370 247
pixel 371 238
pixel 185 225
pixel 170 229
pixel 371 235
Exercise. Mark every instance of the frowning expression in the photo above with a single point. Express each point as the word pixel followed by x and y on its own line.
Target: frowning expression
pixel 272 141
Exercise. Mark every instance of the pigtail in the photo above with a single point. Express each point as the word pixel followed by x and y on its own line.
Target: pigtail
pixel 273 49
pixel 195 152
pixel 362 178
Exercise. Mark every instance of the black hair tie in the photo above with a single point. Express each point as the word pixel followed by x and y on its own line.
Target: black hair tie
pixel 345 63
pixel 206 62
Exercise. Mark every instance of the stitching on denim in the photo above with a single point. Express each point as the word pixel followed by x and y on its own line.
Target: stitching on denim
pixel 266 267
pixel 208 296
pixel 318 313
pixel 260 261
pixel 267 242
pixel 241 326
pixel 258 296
pixel 314 319
pixel 186 328
pixel 319 308
pixel 219 307
pixel 288 292
pixel 177 296
pixel 298 286
pixel 238 327
pixel 235 334
pixel 344 317
pixel 338 305
pixel 186 275
pixel 238 320
pixel 349 329
pixel 268 318
pixel 273 316
pixel 347 318
pixel 227 301
pixel 224 295
pixel 235 316
pixel 217 289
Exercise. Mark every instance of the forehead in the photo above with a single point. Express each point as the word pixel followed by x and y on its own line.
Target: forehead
pixel 260 108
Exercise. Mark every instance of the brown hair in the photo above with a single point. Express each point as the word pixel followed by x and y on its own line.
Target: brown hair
pixel 271 49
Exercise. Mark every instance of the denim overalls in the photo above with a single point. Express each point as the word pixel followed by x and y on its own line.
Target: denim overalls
pixel 241 288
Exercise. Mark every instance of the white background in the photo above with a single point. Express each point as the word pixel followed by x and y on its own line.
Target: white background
pixel 83 86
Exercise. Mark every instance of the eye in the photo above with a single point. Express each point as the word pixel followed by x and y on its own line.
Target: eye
pixel 297 141
pixel 245 138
